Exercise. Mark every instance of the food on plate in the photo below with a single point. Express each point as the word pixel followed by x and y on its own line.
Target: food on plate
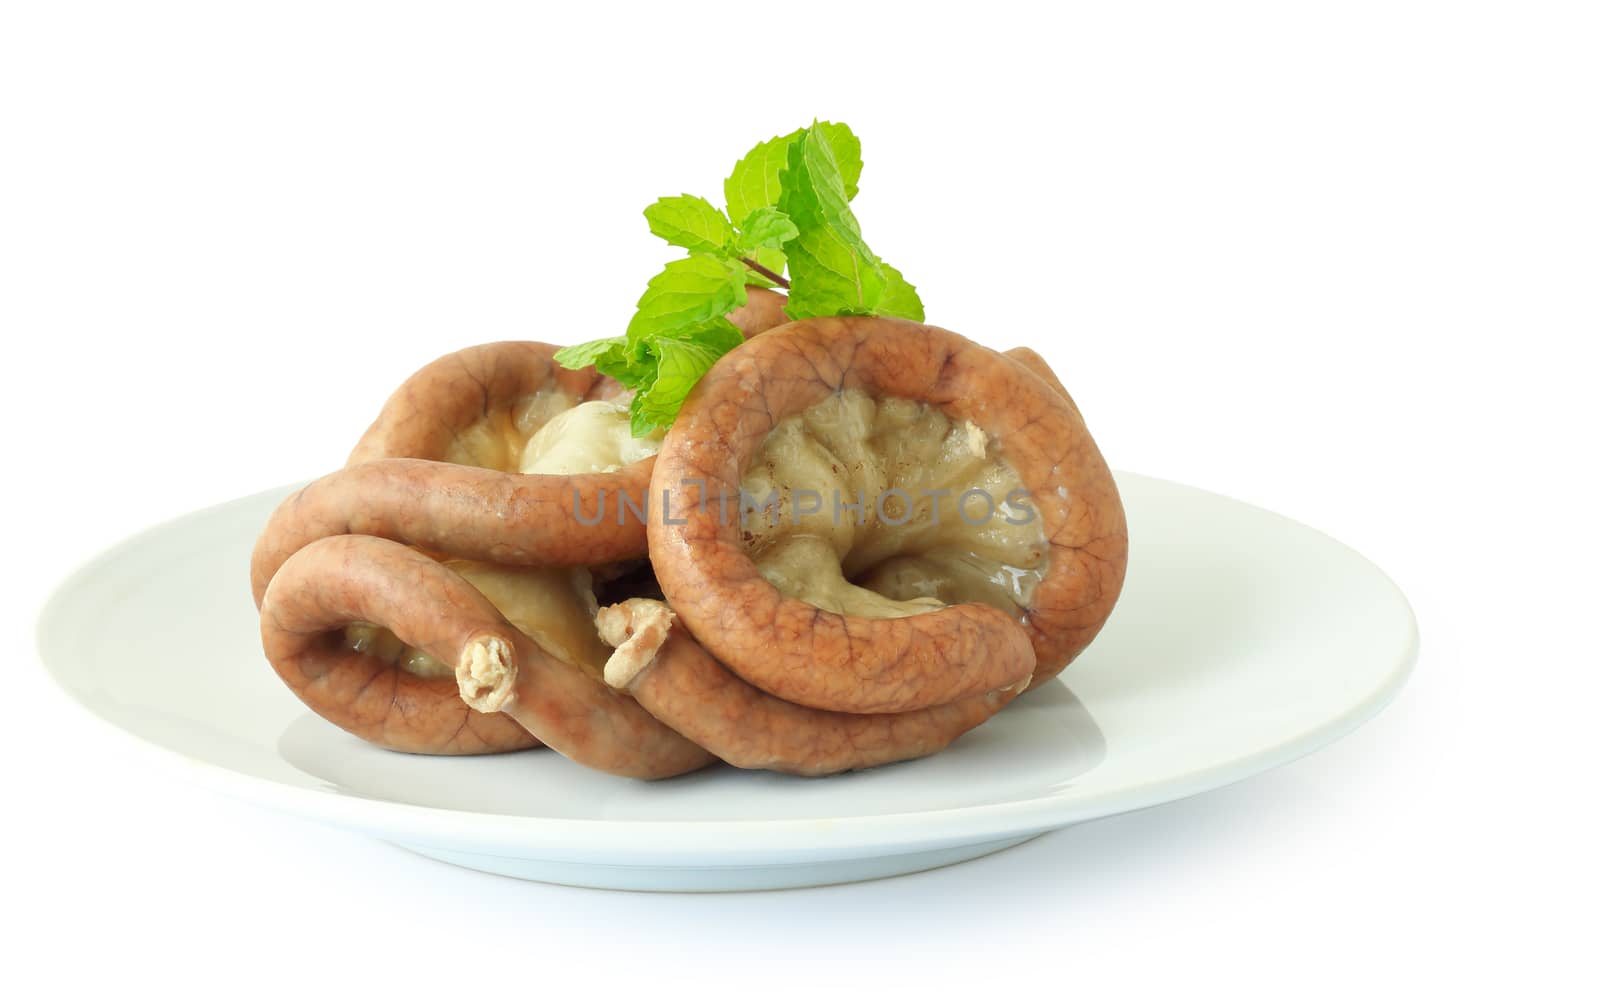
pixel 888 609
pixel 512 424
pixel 677 681
pixel 506 681
pixel 778 523
pixel 493 458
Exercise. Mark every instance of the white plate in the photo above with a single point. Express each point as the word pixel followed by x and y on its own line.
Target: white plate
pixel 1243 640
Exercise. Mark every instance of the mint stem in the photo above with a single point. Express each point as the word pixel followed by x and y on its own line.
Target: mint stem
pixel 757 267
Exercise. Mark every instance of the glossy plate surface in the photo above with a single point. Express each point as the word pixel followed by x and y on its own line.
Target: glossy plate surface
pixel 1243 640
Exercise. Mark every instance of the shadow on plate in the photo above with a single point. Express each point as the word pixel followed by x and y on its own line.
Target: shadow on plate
pixel 1040 744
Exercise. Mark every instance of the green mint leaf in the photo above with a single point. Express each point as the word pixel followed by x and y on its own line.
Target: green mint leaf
pixel 681 360
pixel 642 424
pixel 846 153
pixel 625 360
pixel 754 181
pixel 687 292
pixel 899 299
pixel 828 276
pixel 812 189
pixel 718 335
pixel 630 370
pixel 576 357
pixel 689 221
pixel 831 269
pixel 766 227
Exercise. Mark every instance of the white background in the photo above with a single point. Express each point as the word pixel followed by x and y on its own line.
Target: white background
pixel 1339 260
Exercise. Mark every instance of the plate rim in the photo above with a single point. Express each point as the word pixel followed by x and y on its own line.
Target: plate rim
pixel 728 842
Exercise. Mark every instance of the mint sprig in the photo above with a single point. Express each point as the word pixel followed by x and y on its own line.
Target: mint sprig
pixel 787 210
